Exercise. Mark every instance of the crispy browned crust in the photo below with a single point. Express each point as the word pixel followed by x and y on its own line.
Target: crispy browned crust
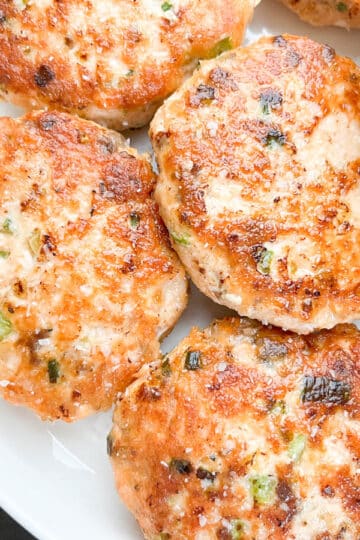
pixel 101 284
pixel 234 418
pixel 111 61
pixel 294 171
pixel 327 12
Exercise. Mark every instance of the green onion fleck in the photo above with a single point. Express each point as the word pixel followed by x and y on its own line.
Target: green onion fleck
pixel 297 447
pixel 181 239
pixel 134 220
pixel 342 7
pixel 162 536
pixel 8 226
pixel 220 47
pixel 166 6
pixel 5 327
pixel 53 370
pixel 34 242
pixel 264 262
pixel 130 73
pixel 166 368
pixel 193 360
pixel 278 408
pixel 237 529
pixel 4 254
pixel 262 488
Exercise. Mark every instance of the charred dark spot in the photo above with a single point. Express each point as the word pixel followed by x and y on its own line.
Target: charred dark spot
pixel 44 76
pixel 102 188
pixel 182 466
pixel 106 144
pixel 2 17
pixel 204 95
pixel 69 42
pixel 76 394
pixel 48 244
pixel 149 393
pixel 273 137
pixel 64 411
pixel 10 309
pixel 328 491
pixel 325 390
pixel 328 53
pixel 198 510
pixel 280 41
pixel 109 444
pixel 271 350
pixel 224 534
pixel 218 75
pixel 307 305
pixel 204 474
pixel 129 265
pixel 277 199
pixel 18 288
pixel 284 491
pixel 292 58
pixel 270 99
pixel 47 123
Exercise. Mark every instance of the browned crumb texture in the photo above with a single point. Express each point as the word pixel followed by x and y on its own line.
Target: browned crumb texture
pixel 259 154
pixel 88 280
pixel 327 12
pixel 108 60
pixel 244 432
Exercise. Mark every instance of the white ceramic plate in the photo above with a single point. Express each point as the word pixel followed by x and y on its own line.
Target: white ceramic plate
pixel 55 479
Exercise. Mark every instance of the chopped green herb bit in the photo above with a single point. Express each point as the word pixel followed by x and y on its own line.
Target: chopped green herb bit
pixel 220 47
pixel 325 390
pixel 6 327
pixel 274 138
pixel 297 447
pixel 237 529
pixel 182 466
pixel 279 407
pixel 262 488
pixel 181 239
pixel 134 220
pixel 34 242
pixel 162 536
pixel 270 99
pixel 109 444
pixel 8 226
pixel 193 360
pixel 4 254
pixel 165 367
pixel 130 73
pixel 166 6
pixel 342 7
pixel 264 261
pixel 53 370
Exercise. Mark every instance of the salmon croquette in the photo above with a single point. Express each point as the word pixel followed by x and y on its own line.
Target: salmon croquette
pixel 327 12
pixel 259 155
pixel 89 283
pixel 111 61
pixel 244 432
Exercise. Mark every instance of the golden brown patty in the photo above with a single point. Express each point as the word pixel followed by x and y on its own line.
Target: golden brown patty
pixel 87 277
pixel 244 432
pixel 112 61
pixel 327 12
pixel 259 154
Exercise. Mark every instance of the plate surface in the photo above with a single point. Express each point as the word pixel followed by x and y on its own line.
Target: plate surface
pixel 55 479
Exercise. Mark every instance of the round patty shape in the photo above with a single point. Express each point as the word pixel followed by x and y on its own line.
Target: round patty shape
pixel 244 432
pixel 327 12
pixel 259 155
pixel 88 280
pixel 112 61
